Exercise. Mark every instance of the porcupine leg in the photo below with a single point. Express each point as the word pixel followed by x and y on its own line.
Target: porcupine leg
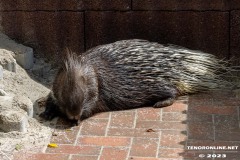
pixel 51 110
pixel 164 103
pixel 170 96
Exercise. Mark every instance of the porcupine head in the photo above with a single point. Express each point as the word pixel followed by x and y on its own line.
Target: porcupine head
pixel 72 86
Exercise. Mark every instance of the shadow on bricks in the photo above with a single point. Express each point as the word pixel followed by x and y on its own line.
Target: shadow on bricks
pixel 213 126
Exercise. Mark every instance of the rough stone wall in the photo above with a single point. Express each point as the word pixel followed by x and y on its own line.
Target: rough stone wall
pixel 50 25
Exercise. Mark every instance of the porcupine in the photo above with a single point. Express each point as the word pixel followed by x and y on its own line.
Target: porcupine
pixel 130 74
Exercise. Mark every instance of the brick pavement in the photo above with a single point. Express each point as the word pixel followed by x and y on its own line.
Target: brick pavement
pixel 207 119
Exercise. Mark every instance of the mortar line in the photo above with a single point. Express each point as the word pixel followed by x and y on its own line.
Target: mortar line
pixel 106 131
pixel 108 124
pixel 78 135
pixel 214 128
pixel 130 147
pixel 70 157
pixel 161 114
pixel 159 143
pixel 100 153
pixel 131 141
pixel 135 119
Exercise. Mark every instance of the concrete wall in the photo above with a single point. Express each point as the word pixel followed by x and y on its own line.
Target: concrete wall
pixel 50 25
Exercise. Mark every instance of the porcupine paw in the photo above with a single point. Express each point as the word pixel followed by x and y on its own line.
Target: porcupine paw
pixel 50 112
pixel 47 115
pixel 164 103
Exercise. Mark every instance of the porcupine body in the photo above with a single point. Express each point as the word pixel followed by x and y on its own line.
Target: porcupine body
pixel 130 74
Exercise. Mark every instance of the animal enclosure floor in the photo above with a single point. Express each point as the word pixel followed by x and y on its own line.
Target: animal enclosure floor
pixel 201 120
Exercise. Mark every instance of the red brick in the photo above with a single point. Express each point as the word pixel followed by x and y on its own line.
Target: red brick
pixel 104 141
pixel 170 153
pixel 226 122
pixel 214 97
pixel 96 127
pixel 149 114
pixel 123 119
pixel 227 136
pixel 201 131
pixel 161 125
pixel 114 153
pixel 40 156
pixel 80 157
pixel 176 107
pixel 201 98
pixel 195 117
pixel 213 109
pixel 104 115
pixel 70 149
pixel 181 5
pixel 173 139
pixel 174 116
pixel 178 153
pixel 143 158
pixel 65 135
pixel 228 102
pixel 144 147
pixel 213 102
pixel 128 132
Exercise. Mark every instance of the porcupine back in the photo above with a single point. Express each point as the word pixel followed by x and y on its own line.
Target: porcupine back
pixel 129 72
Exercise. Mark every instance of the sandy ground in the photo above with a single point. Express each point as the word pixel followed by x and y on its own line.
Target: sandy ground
pixel 39 132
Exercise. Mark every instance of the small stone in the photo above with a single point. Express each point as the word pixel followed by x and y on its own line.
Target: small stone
pixel 54 134
pixel 2 93
pixel 150 130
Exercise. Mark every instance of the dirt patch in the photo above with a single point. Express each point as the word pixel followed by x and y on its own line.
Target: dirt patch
pixel 32 85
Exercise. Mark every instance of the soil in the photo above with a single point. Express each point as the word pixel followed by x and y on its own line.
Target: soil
pixel 38 133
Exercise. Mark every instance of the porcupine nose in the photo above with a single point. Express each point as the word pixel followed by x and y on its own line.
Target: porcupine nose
pixel 73 116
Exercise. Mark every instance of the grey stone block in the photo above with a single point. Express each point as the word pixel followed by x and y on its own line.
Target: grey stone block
pixel 41 69
pixel 1 72
pixel 5 102
pixel 25 57
pixel 13 121
pixel 14 112
pixel 23 54
pixel 7 61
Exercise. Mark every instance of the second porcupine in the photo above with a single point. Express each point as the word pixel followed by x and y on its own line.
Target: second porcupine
pixel 130 74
